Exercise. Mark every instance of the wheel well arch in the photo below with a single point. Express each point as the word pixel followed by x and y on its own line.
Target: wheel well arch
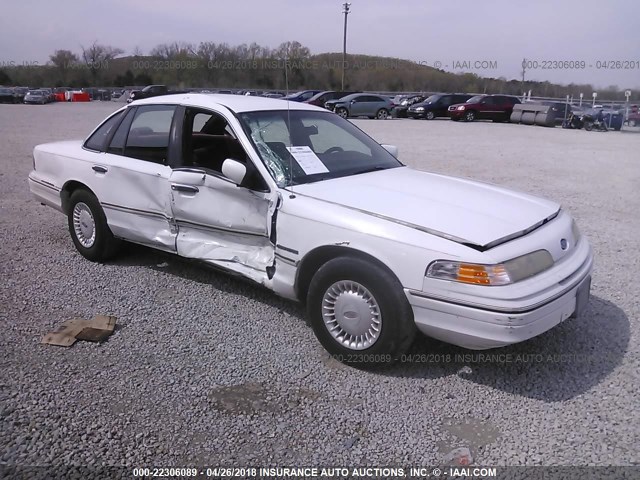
pixel 68 189
pixel 317 257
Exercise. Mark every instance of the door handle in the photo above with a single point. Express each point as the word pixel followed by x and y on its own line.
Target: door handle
pixel 100 169
pixel 178 187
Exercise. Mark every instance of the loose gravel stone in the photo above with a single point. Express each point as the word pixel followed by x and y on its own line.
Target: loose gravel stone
pixel 204 369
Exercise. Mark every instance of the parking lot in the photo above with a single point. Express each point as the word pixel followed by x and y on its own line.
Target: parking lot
pixel 205 369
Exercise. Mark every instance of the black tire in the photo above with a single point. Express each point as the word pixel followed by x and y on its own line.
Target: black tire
pixel 430 116
pixel 469 116
pixel 104 245
pixel 382 114
pixel 343 112
pixel 396 328
pixel 588 126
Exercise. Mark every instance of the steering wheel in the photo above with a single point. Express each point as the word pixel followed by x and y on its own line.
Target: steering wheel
pixel 335 150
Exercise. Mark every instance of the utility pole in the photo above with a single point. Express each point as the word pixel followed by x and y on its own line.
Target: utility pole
pixel 344 45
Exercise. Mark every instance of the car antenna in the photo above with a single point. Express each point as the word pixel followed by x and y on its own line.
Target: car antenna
pixel 286 85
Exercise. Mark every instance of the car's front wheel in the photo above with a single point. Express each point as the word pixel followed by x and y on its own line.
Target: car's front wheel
pixel 88 227
pixel 382 114
pixel 430 116
pixel 342 112
pixel 359 312
pixel 470 116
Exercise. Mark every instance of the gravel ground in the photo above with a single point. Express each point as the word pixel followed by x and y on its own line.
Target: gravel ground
pixel 204 369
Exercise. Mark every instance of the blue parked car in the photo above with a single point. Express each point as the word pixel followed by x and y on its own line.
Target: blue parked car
pixel 301 96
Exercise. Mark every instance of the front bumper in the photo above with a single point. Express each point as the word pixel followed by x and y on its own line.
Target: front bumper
pixel 457 114
pixel 480 329
pixel 414 114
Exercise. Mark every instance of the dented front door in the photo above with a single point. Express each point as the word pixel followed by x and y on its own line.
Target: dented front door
pixel 222 223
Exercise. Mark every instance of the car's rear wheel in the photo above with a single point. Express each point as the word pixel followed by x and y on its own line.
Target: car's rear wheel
pixel 470 116
pixel 430 116
pixel 342 112
pixel 88 227
pixel 382 114
pixel 359 312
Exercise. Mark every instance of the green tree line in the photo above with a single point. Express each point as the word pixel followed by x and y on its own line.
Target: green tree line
pixel 291 65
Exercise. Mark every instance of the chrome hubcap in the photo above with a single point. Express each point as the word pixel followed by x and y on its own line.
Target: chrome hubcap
pixel 84 225
pixel 352 315
pixel 382 114
pixel 343 113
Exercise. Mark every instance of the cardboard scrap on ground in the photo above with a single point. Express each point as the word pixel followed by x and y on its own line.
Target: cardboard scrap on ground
pixel 95 330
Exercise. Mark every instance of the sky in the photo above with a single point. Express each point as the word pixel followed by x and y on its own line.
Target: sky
pixel 564 41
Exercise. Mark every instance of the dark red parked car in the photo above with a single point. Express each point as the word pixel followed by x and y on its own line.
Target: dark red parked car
pixel 484 107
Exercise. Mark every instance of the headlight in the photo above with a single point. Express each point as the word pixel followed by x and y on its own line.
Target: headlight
pixel 461 107
pixel 499 274
pixel 420 109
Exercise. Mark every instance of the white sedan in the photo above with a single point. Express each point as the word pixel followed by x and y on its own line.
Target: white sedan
pixel 301 201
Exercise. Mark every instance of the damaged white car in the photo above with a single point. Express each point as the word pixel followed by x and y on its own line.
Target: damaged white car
pixel 303 202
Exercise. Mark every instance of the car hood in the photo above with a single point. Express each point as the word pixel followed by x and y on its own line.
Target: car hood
pixel 475 214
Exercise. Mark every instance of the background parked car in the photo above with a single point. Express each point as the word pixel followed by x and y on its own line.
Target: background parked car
pixel 633 119
pixel 6 95
pixel 436 105
pixel 401 108
pixel 301 96
pixel 320 98
pixel 19 93
pixel 49 94
pixel 613 119
pixel 36 96
pixel 484 107
pixel 362 105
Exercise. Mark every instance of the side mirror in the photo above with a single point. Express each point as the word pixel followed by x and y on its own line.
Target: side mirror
pixel 392 149
pixel 234 170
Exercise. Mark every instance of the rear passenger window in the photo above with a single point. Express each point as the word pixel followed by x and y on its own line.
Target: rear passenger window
pixel 98 139
pixel 120 137
pixel 149 134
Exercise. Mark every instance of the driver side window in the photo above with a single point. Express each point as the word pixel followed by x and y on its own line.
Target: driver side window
pixel 209 140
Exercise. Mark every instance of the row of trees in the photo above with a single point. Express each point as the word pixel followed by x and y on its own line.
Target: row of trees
pixel 290 65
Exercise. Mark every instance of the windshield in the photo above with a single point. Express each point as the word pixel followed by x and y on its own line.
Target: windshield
pixel 475 99
pixel 431 99
pixel 305 146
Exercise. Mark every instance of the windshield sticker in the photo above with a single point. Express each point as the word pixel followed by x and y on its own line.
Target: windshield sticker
pixel 308 160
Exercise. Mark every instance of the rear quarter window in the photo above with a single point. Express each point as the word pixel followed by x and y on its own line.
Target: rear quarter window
pixel 98 139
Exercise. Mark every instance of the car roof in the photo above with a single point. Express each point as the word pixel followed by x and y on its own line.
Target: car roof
pixel 235 103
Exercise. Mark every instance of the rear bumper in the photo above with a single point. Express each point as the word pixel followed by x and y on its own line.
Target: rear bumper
pixel 480 329
pixel 45 192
